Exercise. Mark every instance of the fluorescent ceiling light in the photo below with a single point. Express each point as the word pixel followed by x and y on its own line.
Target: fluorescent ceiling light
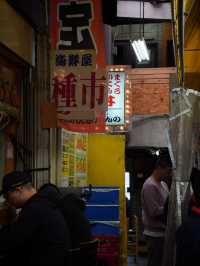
pixel 140 49
pixel 137 52
pixel 144 49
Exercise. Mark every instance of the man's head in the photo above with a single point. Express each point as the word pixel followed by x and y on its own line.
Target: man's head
pixel 163 168
pixel 17 188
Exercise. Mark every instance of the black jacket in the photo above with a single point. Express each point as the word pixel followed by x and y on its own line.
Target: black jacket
pixel 188 241
pixel 72 208
pixel 39 237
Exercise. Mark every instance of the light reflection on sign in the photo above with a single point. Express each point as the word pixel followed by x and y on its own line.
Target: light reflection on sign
pixel 115 113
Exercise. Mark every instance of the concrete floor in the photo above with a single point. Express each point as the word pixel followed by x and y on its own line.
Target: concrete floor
pixel 141 262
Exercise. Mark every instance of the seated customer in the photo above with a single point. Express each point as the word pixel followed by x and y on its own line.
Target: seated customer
pixel 72 208
pixel 40 235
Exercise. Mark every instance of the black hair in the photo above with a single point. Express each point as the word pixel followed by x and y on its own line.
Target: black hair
pixel 47 185
pixel 163 162
pixel 51 192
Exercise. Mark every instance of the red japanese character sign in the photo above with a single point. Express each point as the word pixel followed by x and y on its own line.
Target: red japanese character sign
pixel 77 25
pixel 77 92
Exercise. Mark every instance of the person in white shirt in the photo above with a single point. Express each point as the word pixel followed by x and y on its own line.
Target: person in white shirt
pixel 153 197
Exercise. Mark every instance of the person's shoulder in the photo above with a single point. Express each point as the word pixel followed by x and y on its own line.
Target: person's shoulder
pixel 149 183
pixel 188 229
pixel 164 184
pixel 192 222
pixel 148 180
pixel 38 204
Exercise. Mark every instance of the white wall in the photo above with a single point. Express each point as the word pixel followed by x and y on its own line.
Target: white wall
pixel 132 9
pixel 149 133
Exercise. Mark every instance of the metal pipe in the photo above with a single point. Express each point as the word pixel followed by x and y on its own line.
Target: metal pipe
pixel 181 39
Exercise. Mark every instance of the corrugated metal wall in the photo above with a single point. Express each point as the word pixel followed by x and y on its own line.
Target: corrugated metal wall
pixel 41 92
pixel 35 91
pixel 190 45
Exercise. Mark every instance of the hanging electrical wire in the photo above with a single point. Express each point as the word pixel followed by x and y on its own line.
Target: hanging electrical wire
pixel 139 46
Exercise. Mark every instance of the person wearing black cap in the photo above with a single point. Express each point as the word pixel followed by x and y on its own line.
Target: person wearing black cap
pixel 188 234
pixel 72 207
pixel 40 235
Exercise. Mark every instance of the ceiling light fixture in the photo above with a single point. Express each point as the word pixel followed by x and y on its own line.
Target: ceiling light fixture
pixel 140 49
pixel 139 46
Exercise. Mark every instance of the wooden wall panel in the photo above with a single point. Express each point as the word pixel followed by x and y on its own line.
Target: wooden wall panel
pixel 151 99
pixel 151 90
